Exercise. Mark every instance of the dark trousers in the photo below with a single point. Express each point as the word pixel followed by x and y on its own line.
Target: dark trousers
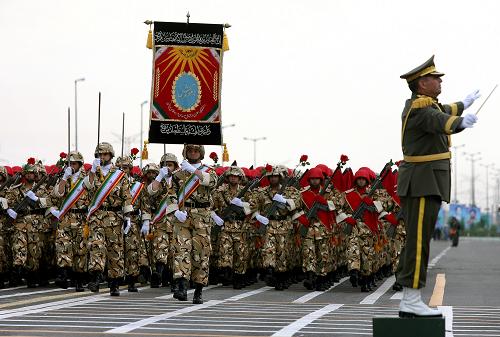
pixel 420 215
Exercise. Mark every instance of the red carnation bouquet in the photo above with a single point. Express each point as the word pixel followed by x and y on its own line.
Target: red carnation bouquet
pixel 133 153
pixel 214 157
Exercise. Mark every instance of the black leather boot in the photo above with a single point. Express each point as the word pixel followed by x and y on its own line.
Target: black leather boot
pixel 114 289
pixel 309 281
pixel 226 276
pixel 166 277
pixel 62 278
pixel 131 284
pixel 31 279
pixel 95 280
pixel 279 283
pixel 144 275
pixel 16 277
pixel 197 299
pixel 363 283
pixel 354 277
pixel 270 277
pixel 181 291
pixel 79 282
pixel 2 280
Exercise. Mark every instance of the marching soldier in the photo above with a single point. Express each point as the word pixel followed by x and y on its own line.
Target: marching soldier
pixel 424 176
pixel 192 222
pixel 72 230
pixel 278 225
pixel 163 201
pixel 26 245
pixel 108 215
pixel 229 213
pixel 4 235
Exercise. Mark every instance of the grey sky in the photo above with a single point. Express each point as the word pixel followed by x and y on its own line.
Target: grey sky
pixel 314 77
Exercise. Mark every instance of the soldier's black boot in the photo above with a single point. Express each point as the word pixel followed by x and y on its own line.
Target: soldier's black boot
pixel 213 276
pixel 309 280
pixel 131 284
pixel 174 285
pixel 2 280
pixel 397 287
pixel 16 277
pixel 226 276
pixel 197 299
pixel 31 279
pixel 238 281
pixel 62 278
pixel 279 283
pixel 354 277
pixel 144 275
pixel 95 280
pixel 156 275
pixel 363 283
pixel 336 276
pixel 79 282
pixel 166 276
pixel 114 289
pixel 270 278
pixel 371 281
pixel 181 291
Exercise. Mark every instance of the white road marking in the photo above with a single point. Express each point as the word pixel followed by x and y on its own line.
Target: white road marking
pixel 292 328
pixel 381 290
pixel 435 260
pixel 311 295
pixel 33 293
pixel 448 315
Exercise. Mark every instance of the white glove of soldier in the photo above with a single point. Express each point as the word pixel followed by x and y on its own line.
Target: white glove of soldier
pixel 126 225
pixel 164 172
pixel 237 202
pixel 181 215
pixel 68 172
pixel 471 98
pixel 262 219
pixel 468 121
pixel 185 166
pixel 55 212
pixel 12 213
pixel 217 219
pixel 30 194
pixel 95 164
pixel 279 198
pixel 145 227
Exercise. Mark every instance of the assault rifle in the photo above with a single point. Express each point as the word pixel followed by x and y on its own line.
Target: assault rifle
pixel 233 209
pixel 11 182
pixel 358 213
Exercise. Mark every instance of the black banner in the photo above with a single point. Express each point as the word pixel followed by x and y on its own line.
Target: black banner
pixel 188 34
pixel 176 132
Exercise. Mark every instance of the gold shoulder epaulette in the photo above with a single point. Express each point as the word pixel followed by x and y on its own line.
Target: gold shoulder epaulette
pixel 422 102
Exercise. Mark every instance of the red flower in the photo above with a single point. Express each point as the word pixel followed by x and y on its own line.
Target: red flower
pixel 63 155
pixel 269 168
pixel 303 158
pixel 213 155
pixel 31 161
pixel 344 158
pixel 134 151
pixel 398 163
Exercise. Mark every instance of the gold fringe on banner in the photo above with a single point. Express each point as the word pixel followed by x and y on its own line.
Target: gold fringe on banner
pixel 144 154
pixel 225 43
pixel 149 42
pixel 225 154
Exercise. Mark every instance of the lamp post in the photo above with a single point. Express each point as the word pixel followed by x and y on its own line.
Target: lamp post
pixel 473 157
pixel 76 110
pixel 142 144
pixel 254 140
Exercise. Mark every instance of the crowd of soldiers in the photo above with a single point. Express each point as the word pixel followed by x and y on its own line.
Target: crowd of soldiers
pixel 189 224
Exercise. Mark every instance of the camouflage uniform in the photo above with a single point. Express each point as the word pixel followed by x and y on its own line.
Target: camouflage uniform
pixel 5 254
pixel 105 241
pixel 71 241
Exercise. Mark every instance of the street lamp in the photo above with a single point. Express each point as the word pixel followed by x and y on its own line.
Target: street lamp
pixel 473 157
pixel 254 140
pixel 487 166
pixel 142 144
pixel 455 148
pixel 76 111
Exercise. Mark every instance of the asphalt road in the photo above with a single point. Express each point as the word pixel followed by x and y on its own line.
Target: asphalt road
pixel 471 302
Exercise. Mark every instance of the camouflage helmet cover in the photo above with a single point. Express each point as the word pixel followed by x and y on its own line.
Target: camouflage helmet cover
pixel 200 148
pixel 151 167
pixel 76 157
pixel 104 147
pixel 124 161
pixel 169 157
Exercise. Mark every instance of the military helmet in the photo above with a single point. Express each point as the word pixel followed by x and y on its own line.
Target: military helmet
pixel 235 171
pixel 104 147
pixel 150 167
pixel 76 156
pixel 276 171
pixel 169 157
pixel 124 161
pixel 200 148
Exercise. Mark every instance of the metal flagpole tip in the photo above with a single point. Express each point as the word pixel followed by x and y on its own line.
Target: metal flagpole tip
pixel 148 22
pixel 227 25
pixel 188 16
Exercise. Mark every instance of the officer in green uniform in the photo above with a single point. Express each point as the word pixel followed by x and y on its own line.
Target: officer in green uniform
pixel 424 175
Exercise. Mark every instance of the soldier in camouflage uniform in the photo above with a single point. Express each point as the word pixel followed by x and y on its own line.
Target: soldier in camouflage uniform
pixel 26 245
pixel 108 221
pixel 133 249
pixel 4 235
pixel 192 222
pixel 278 225
pixel 233 236
pixel 71 243
pixel 161 191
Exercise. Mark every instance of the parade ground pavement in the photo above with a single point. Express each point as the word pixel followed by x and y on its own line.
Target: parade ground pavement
pixel 464 281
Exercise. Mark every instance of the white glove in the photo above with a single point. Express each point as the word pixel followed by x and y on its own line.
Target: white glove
pixel 279 198
pixel 181 215
pixel 262 219
pixel 468 121
pixel 12 213
pixel 30 194
pixel 217 219
pixel 55 212
pixel 126 225
pixel 471 98
pixel 164 171
pixel 95 164
pixel 68 172
pixel 237 202
pixel 145 227
pixel 185 166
